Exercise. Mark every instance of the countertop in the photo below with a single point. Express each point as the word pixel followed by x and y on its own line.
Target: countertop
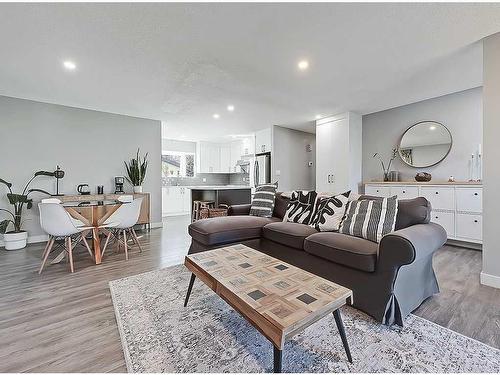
pixel 215 187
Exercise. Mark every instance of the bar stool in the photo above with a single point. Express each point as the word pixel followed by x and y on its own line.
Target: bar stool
pixel 198 206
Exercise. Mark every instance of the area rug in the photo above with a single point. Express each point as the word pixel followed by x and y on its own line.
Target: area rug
pixel 160 335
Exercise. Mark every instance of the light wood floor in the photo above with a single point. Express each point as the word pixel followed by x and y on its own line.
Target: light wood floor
pixel 62 322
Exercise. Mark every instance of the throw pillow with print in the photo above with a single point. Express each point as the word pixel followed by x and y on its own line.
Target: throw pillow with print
pixel 300 208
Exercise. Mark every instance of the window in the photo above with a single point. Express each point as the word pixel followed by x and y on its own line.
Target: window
pixel 177 164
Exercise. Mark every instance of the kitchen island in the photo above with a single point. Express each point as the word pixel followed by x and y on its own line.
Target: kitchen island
pixel 224 194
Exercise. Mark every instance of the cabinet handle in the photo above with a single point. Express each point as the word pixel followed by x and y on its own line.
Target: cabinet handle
pixel 404 191
pixel 377 191
pixel 437 217
pixel 475 221
pixel 475 193
pixel 437 192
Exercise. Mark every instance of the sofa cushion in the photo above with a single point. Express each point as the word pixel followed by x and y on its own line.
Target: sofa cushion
pixel 289 234
pixel 220 230
pixel 410 211
pixel 343 249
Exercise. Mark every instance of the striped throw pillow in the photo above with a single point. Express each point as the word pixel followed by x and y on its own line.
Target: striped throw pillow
pixel 263 200
pixel 370 219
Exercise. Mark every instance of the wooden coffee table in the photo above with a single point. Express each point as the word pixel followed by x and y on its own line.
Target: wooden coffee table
pixel 278 299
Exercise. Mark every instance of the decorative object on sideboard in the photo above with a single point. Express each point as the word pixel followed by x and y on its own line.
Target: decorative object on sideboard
pixel 394 176
pixel 83 189
pixel 119 182
pixel 423 177
pixel 16 239
pixel 451 179
pixel 100 189
pixel 136 171
pixel 384 168
pixel 58 174
pixel 425 144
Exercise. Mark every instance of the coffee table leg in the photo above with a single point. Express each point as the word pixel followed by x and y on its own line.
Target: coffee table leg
pixel 278 357
pixel 190 287
pixel 340 326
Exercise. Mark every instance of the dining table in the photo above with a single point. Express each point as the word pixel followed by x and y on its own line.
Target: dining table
pixel 100 211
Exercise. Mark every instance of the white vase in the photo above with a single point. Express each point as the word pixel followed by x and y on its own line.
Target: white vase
pixel 138 189
pixel 15 241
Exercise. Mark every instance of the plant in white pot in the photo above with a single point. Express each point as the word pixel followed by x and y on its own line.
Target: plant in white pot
pixel 16 239
pixel 136 171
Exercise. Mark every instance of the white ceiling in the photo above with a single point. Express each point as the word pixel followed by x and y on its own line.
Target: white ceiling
pixel 181 63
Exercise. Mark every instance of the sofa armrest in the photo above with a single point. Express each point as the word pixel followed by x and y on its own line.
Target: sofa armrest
pixel 410 244
pixel 239 209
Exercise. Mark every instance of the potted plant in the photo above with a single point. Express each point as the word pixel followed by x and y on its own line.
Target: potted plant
pixel 136 171
pixel 16 239
pixel 388 168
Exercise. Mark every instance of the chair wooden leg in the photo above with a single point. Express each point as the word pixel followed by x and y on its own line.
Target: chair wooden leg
pixel 46 246
pixel 106 243
pixel 125 243
pixel 87 245
pixel 70 255
pixel 47 252
pixel 134 235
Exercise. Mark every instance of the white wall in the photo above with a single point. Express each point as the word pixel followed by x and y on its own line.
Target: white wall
pixel 460 112
pixel 89 146
pixel 290 158
pixel 178 146
pixel 491 174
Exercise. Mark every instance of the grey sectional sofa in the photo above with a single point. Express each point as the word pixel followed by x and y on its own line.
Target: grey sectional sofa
pixel 389 279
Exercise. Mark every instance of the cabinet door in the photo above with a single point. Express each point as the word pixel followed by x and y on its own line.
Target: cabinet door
pixel 204 158
pixel 405 192
pixel 469 199
pixel 470 227
pixel 225 158
pixel 378 191
pixel 446 220
pixel 186 200
pixel 236 153
pixel 214 159
pixel 442 198
pixel 164 200
pixel 263 139
pixel 174 200
pixel 323 167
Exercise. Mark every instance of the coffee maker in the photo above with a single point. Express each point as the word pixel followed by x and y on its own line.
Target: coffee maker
pixel 119 182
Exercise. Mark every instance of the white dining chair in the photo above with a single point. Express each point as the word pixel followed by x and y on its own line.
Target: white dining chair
pixel 78 223
pixel 57 223
pixel 121 222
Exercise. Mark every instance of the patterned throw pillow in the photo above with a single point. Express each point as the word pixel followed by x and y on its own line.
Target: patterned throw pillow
pixel 263 200
pixel 329 212
pixel 300 208
pixel 370 219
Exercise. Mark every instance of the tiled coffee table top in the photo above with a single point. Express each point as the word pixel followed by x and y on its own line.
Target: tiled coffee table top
pixel 288 297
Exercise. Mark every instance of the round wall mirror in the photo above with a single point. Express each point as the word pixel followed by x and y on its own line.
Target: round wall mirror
pixel 425 144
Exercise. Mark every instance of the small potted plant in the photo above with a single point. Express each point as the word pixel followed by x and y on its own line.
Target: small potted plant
pixel 16 239
pixel 136 171
pixel 388 168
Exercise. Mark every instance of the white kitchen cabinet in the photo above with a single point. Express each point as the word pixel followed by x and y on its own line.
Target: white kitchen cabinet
pixel 263 141
pixel 236 153
pixel 208 157
pixel 225 158
pixel 338 153
pixel 176 200
pixel 456 207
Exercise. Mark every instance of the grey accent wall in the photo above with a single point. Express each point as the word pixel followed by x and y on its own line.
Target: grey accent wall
pixel 290 158
pixel 89 146
pixel 460 112
pixel 491 174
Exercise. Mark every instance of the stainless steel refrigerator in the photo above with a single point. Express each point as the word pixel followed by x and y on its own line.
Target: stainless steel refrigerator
pixel 262 169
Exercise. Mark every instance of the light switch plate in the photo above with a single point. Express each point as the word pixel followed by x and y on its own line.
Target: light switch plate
pixel 278 172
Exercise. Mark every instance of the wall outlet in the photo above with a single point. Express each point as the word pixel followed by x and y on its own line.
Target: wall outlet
pixel 204 179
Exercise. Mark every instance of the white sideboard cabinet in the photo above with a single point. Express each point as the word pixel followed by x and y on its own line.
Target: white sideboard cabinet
pixel 458 207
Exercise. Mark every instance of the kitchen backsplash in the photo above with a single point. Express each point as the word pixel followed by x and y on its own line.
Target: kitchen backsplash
pixel 210 179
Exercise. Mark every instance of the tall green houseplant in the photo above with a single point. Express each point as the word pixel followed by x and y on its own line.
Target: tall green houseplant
pixel 136 171
pixel 18 202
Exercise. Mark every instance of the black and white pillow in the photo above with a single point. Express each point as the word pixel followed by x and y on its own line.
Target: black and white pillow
pixel 329 212
pixel 370 219
pixel 263 200
pixel 300 208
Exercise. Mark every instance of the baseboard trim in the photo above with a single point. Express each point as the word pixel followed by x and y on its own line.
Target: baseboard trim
pixel 32 239
pixel 157 225
pixel 490 280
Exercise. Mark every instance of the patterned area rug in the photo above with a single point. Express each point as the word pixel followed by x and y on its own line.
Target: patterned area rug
pixel 159 335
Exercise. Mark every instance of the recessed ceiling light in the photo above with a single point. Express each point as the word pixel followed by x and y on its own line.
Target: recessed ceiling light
pixel 230 108
pixel 303 64
pixel 318 117
pixel 215 116
pixel 70 65
pixel 432 127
